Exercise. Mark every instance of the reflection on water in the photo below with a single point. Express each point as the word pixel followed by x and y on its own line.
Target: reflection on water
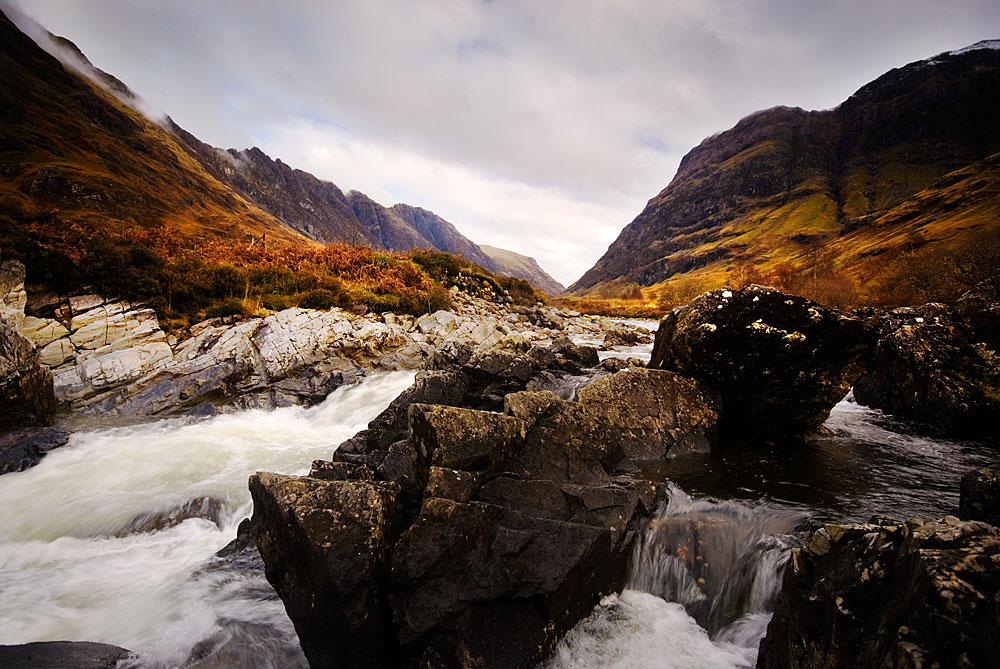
pixel 863 465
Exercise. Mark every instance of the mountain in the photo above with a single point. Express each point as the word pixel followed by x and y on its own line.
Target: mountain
pixel 906 168
pixel 75 160
pixel 524 267
pixel 81 156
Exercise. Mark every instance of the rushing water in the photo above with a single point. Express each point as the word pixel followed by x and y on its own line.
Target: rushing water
pixel 701 586
pixel 65 575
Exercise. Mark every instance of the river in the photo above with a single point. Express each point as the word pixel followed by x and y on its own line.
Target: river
pixel 70 570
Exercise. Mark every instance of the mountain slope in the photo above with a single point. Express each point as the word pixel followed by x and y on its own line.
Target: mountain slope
pixel 524 267
pixel 79 161
pixel 908 161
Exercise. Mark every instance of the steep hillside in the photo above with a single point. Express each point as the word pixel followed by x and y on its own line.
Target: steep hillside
pixel 317 209
pixel 443 235
pixel 76 163
pixel 80 162
pixel 523 267
pixel 906 168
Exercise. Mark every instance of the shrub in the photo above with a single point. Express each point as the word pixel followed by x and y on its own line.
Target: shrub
pixel 275 302
pixel 227 281
pixel 230 306
pixel 319 299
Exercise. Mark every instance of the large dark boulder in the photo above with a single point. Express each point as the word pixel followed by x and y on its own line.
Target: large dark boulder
pixel 26 394
pixel 511 526
pixel 326 548
pixel 472 381
pixel 923 593
pixel 980 496
pixel 25 447
pixel 63 655
pixel 779 361
pixel 936 369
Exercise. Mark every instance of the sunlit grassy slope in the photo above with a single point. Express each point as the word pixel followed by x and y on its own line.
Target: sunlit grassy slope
pixel 875 202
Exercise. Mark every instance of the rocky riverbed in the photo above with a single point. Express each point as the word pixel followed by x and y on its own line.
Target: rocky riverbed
pixel 487 509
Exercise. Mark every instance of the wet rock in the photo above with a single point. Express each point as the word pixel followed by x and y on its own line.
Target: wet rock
pixel 459 439
pixel 246 645
pixel 480 584
pixel 206 508
pixel 26 394
pixel 623 335
pixel 25 447
pixel 928 368
pixel 613 365
pixel 578 357
pixel 979 315
pixel 779 361
pixel 326 547
pixel 922 593
pixel 980 496
pixel 63 655
pixel 511 526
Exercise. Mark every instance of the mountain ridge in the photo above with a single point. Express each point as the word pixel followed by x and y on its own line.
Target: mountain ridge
pixel 138 169
pixel 785 188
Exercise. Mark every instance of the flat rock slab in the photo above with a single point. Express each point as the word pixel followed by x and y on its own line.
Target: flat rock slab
pixel 62 655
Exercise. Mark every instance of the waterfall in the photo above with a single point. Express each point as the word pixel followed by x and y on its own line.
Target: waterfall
pixel 700 591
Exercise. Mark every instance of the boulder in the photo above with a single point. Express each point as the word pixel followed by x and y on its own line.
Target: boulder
pixel 25 447
pixel 929 368
pixel 63 655
pixel 623 335
pixel 325 546
pixel 511 527
pixel 922 593
pixel 980 496
pixel 26 395
pixel 780 362
pixel 206 508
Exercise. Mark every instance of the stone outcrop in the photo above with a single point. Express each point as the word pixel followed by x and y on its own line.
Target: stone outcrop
pixel 922 593
pixel 472 538
pixel 26 394
pixel 25 447
pixel 112 356
pixel 58 654
pixel 12 294
pixel 329 561
pixel 979 497
pixel 779 361
pixel 937 367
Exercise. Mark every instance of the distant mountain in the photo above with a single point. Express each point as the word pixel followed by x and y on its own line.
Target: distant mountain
pixel 78 157
pixel 908 165
pixel 524 267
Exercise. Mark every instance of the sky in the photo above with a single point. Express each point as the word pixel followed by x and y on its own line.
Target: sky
pixel 540 126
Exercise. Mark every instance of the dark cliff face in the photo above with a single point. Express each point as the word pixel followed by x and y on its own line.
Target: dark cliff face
pixel 786 175
pixel 443 235
pixel 316 208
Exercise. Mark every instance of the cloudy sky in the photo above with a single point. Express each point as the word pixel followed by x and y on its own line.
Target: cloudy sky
pixel 541 126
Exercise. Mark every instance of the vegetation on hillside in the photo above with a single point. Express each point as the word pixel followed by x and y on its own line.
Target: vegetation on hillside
pixel 187 281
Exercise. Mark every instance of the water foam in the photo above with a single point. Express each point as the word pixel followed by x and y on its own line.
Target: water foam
pixel 65 576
